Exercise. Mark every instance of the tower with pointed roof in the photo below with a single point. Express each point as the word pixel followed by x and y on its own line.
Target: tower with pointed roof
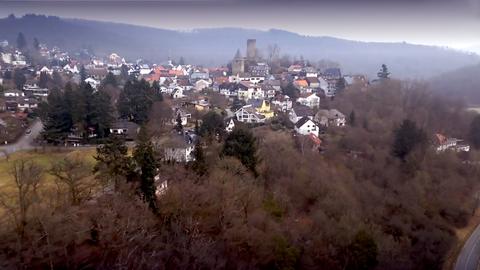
pixel 238 64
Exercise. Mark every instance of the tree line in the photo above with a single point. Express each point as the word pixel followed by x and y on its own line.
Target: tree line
pixel 377 196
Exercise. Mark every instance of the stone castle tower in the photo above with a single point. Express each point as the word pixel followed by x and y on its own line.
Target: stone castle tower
pixel 251 49
pixel 238 64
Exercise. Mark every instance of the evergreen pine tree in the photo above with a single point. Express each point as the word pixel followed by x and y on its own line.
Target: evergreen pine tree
pixel 212 125
pixel 197 128
pixel 19 79
pixel 56 118
pixel 57 79
pixel 407 138
pixel 110 80
pixel 352 118
pixel 145 160
pixel 383 74
pixel 135 101
pixel 341 84
pixel 241 143
pixel 36 44
pixel 124 72
pixel 83 74
pixel 21 41
pixel 113 160
pixel 181 61
pixel 291 91
pixel 362 252
pixel 43 80
pixel 102 114
pixel 475 132
pixel 199 165
pixel 158 93
pixel 178 125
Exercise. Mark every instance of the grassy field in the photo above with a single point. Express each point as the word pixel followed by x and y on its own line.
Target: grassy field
pixel 44 158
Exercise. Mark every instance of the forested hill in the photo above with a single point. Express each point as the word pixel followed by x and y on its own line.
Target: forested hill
pixel 217 46
pixel 463 83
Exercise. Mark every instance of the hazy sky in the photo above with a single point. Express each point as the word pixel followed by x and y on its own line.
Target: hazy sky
pixel 454 23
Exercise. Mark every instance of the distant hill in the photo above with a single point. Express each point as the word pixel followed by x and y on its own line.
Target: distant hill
pixel 217 46
pixel 463 83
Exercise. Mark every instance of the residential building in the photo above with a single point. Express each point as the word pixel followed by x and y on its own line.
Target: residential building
pixel 282 102
pixel 93 83
pixel 443 143
pixel 330 118
pixel 248 114
pixel 299 111
pixel 305 126
pixel 313 82
pixel 35 90
pixel 265 109
pixel 176 147
pixel 259 70
pixel 184 116
pixel 26 104
pixel 178 93
pixel 312 100
pixel 125 129
pixel 230 125
pixel 332 74
pixel 201 84
pixel 13 93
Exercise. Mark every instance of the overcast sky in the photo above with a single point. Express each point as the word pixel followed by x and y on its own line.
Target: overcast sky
pixel 453 23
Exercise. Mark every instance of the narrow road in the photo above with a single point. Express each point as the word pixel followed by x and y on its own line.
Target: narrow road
pixel 469 257
pixel 25 142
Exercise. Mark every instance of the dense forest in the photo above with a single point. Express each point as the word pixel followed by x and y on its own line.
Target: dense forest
pixel 377 196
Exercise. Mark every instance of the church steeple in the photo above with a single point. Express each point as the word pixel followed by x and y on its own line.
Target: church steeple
pixel 238 55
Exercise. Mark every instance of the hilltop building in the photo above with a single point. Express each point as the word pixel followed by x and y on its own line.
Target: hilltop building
pixel 238 64
pixel 251 49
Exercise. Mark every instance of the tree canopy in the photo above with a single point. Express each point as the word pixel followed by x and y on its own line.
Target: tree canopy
pixel 383 73
pixel 81 108
pixel 21 41
pixel 135 101
pixel 407 137
pixel 241 143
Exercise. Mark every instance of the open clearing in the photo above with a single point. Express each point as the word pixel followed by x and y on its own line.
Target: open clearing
pixel 44 158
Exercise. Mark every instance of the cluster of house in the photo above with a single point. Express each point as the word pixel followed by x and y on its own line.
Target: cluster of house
pixel 249 82
pixel 25 100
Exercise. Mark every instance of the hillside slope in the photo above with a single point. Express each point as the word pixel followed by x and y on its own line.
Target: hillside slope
pixel 463 83
pixel 217 46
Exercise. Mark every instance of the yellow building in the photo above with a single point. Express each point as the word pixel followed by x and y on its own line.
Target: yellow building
pixel 266 110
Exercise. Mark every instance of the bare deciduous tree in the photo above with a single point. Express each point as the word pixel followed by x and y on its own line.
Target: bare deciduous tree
pixel 72 173
pixel 21 195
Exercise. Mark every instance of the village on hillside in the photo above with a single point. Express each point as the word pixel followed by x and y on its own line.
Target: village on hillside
pixel 250 91
pixel 268 161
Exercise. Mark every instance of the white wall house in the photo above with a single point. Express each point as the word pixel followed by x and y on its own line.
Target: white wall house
pixel 184 116
pixel 306 126
pixel 312 101
pixel 13 93
pixel 26 104
pixel 178 93
pixel 201 84
pixel 283 102
pixel 248 114
pixel 330 118
pixel 230 126
pixel 93 83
